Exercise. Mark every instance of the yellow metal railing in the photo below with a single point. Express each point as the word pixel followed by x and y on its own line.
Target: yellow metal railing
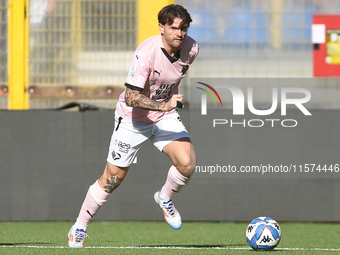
pixel 17 64
pixel 3 43
pixel 147 17
pixel 276 27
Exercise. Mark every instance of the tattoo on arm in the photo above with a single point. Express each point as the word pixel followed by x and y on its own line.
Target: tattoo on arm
pixel 112 184
pixel 135 99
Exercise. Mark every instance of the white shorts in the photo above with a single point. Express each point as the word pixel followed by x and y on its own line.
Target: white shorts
pixel 129 136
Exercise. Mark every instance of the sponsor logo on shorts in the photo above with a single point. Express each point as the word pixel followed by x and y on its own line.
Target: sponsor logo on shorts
pixel 123 147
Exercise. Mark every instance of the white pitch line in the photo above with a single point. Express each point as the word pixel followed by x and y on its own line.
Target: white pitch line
pixel 166 247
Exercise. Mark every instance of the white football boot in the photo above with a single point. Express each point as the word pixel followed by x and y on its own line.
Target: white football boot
pixel 76 238
pixel 171 215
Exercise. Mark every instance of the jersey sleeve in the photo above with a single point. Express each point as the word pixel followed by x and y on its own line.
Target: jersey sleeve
pixel 139 71
pixel 194 53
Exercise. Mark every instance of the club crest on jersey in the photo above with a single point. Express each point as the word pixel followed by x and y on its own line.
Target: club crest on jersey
pixel 132 71
pixel 185 69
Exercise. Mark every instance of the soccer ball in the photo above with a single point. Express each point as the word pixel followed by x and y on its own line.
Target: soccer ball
pixel 263 233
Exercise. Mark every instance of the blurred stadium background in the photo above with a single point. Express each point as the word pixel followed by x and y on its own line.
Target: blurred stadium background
pixel 80 50
pixel 53 52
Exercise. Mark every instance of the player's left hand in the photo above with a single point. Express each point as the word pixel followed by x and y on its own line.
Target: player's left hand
pixel 172 103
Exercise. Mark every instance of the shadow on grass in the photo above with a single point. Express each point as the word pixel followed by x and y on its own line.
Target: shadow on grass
pixel 18 244
pixel 207 246
pixel 197 245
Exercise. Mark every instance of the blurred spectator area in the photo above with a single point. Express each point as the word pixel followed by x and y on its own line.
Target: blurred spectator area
pixel 255 38
pixel 81 50
pixel 248 24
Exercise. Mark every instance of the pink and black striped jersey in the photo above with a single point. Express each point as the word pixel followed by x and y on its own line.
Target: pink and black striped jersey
pixel 157 75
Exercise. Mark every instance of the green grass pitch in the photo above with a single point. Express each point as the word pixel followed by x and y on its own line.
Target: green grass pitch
pixel 137 237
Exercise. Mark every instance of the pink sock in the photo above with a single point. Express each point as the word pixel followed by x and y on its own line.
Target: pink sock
pixel 174 182
pixel 95 198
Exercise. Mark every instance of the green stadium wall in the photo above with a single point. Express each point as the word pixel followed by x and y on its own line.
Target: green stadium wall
pixel 48 159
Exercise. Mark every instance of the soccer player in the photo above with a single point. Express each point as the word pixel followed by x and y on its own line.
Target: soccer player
pixel 147 110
